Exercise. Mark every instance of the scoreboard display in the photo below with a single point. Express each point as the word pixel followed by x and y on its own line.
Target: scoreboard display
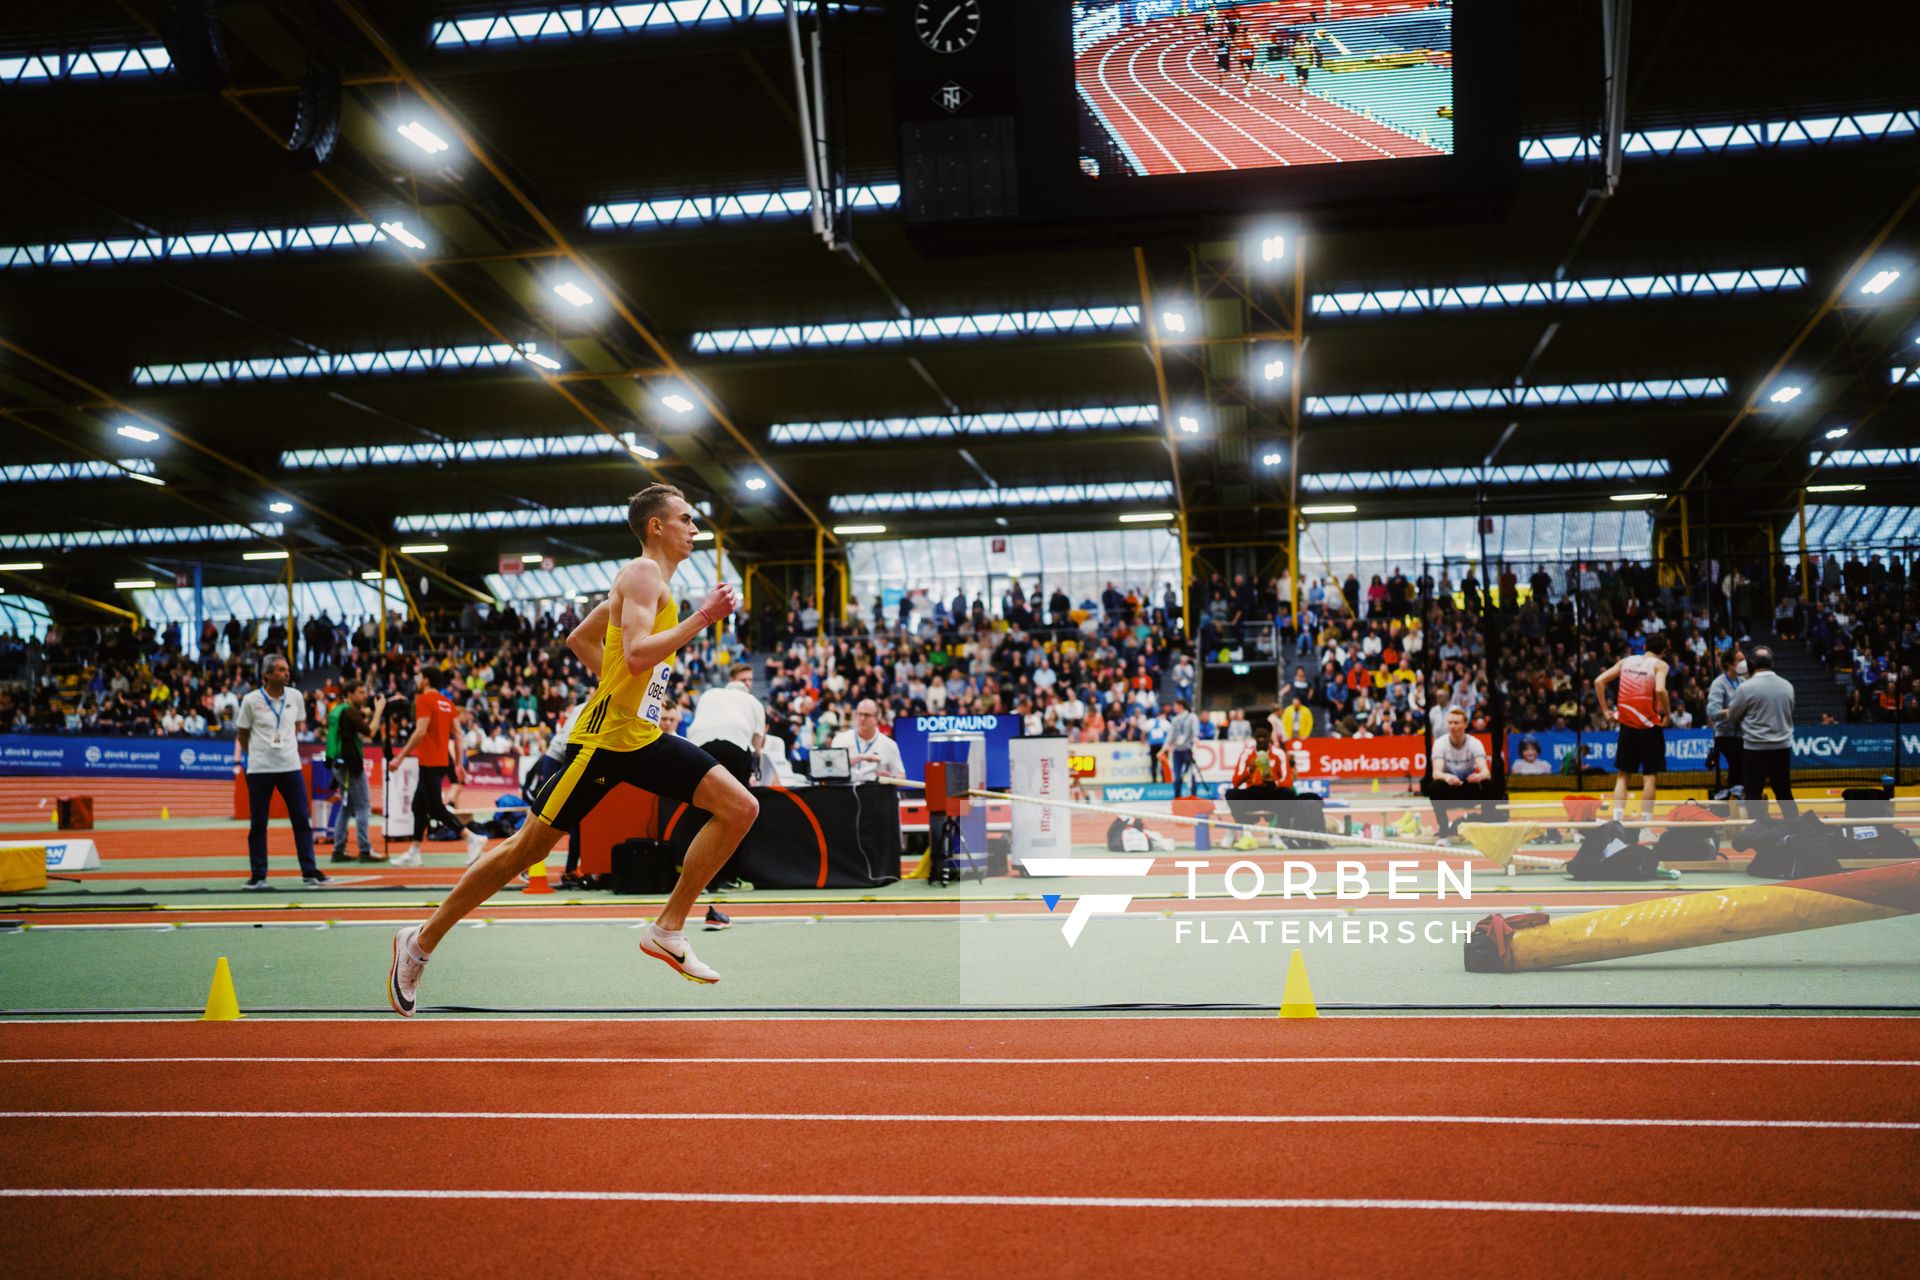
pixel 1100 116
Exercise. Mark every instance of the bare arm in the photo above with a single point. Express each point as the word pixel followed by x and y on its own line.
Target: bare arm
pixel 588 640
pixel 639 588
pixel 1600 683
pixel 1662 707
pixel 413 739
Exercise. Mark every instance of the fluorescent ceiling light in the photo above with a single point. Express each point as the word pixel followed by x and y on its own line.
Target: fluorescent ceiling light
pixel 370 575
pixel 1785 395
pixel 1836 488
pixel 573 293
pixel 1880 282
pixel 141 434
pixel 1838 433
pixel 1189 424
pixel 859 528
pixel 677 402
pixel 1146 517
pixel 422 137
pixel 641 451
pixel 705 535
pixel 22 566
pixel 1273 248
pixel 398 230
pixel 280 508
pixel 144 478
pixel 423 549
pixel 1275 370
pixel 1270 459
pixel 533 356
pixel 532 557
pixel 1635 497
pixel 1175 322
pixel 133 584
pixel 1330 509
pixel 263 555
pixel 756 483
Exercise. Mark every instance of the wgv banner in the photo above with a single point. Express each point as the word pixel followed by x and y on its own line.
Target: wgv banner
pixel 1840 746
pixel 116 757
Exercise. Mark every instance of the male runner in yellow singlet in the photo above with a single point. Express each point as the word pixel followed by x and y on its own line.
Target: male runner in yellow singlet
pixel 630 638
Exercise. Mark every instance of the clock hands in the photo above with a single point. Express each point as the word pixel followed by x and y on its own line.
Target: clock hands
pixel 944 21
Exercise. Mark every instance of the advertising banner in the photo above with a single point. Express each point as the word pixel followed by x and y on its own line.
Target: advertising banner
pixel 1039 769
pixel 1840 746
pixel 910 735
pixel 82 757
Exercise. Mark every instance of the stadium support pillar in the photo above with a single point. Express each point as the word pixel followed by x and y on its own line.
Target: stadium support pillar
pixel 1186 578
pixel 719 560
pixel 846 586
pixel 293 631
pixel 1293 426
pixel 820 583
pixel 383 597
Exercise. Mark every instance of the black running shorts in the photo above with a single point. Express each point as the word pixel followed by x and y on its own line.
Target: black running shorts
pixel 670 767
pixel 1641 751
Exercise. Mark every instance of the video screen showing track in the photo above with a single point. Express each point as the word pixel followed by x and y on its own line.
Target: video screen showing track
pixel 1179 86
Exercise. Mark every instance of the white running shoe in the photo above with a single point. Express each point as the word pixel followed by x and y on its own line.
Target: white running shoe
pixel 673 949
pixel 403 979
pixel 410 858
pixel 476 845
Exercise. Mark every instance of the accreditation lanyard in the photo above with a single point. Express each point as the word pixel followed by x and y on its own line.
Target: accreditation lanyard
pixel 278 711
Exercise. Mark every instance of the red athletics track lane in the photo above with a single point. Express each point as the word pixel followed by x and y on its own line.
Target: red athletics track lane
pixel 1158 87
pixel 1174 1164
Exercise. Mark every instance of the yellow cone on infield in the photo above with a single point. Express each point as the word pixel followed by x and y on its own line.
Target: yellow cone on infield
pixel 164 815
pixel 1296 998
pixel 222 1004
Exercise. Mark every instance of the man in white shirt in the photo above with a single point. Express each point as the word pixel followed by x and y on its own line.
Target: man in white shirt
pixel 730 724
pixel 874 756
pixel 267 733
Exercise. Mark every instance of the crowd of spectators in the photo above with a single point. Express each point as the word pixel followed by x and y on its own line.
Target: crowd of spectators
pixel 1390 656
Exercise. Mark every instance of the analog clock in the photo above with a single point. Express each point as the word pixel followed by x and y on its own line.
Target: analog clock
pixel 947 26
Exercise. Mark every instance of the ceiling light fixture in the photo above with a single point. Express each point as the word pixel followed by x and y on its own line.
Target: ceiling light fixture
pixel 22 566
pixel 1880 282
pixel 532 557
pixel 133 584
pixel 141 434
pixel 370 575
pixel 144 478
pixel 398 230
pixel 1275 370
pixel 1271 459
pixel 423 549
pixel 1175 322
pixel 1838 433
pixel 1836 488
pixel 1785 395
pixel 641 451
pixel 1635 497
pixel 422 137
pixel 1330 509
pixel 573 293
pixel 534 357
pixel 1189 424
pixel 677 402
pixel 1273 248
pixel 850 529
pixel 280 508
pixel 1146 517
pixel 756 483
pixel 263 555
pixel 705 535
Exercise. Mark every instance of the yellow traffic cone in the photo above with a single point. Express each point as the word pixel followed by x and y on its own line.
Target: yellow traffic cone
pixel 164 815
pixel 1296 999
pixel 222 1004
pixel 537 879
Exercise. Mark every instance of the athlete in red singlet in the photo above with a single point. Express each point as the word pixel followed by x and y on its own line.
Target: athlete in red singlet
pixel 1641 711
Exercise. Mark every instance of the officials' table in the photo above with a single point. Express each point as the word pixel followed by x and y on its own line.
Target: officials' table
pixel 821 837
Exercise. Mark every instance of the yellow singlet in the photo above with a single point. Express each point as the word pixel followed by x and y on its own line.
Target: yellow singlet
pixel 625 712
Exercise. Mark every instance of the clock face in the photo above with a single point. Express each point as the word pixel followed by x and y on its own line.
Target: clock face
pixel 947 26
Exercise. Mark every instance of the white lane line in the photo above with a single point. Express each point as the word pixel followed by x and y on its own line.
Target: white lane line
pixel 388 1060
pixel 854 1117
pixel 965 1201
pixel 1121 102
pixel 1331 156
pixel 963 1017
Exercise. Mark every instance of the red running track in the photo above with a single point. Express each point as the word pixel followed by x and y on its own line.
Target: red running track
pixel 850 1148
pixel 1159 90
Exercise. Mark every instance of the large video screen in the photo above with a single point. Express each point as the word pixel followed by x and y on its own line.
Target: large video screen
pixel 1169 87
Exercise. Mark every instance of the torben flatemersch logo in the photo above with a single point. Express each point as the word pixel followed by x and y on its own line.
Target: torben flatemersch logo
pixel 1247 880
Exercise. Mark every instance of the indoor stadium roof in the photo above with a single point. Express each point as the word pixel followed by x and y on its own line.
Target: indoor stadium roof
pixel 164 266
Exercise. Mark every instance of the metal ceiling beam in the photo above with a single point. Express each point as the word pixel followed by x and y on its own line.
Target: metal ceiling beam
pixel 1832 300
pixel 266 485
pixel 559 239
pixel 61 593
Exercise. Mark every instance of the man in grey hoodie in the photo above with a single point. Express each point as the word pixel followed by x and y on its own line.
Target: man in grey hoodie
pixel 1763 708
